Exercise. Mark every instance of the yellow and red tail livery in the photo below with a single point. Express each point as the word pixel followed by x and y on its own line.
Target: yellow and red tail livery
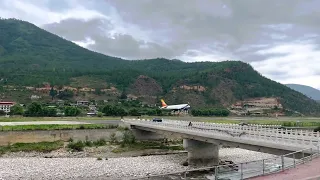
pixel 163 103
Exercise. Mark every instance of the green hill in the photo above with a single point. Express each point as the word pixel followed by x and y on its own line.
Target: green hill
pixel 306 90
pixel 30 56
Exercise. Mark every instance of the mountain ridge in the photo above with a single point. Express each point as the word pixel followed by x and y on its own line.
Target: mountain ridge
pixel 309 91
pixel 31 56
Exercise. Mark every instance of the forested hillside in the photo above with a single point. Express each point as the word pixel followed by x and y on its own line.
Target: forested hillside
pixel 30 56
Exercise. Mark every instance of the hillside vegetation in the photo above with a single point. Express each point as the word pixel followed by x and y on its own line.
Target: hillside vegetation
pixel 30 56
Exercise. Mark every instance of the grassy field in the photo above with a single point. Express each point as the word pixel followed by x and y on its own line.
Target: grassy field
pixel 57 127
pixel 23 119
pixel 27 147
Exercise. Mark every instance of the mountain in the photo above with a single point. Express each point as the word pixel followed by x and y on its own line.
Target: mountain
pixel 30 56
pixel 311 92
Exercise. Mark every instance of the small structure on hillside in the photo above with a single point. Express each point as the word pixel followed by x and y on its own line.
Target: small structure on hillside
pixel 6 106
pixel 83 103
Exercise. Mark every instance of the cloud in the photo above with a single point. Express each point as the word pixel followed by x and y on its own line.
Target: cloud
pixel 39 12
pixel 88 42
pixel 299 64
pixel 279 39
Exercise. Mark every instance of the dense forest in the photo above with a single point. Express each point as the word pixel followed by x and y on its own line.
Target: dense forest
pixel 30 56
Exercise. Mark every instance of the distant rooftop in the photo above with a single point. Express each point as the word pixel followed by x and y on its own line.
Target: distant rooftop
pixel 6 102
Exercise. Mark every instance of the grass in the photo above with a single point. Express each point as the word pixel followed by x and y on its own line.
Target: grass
pixel 142 145
pixel 79 145
pixel 27 147
pixel 23 119
pixel 57 127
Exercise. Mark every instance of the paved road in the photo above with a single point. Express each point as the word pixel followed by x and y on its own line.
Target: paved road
pixel 306 171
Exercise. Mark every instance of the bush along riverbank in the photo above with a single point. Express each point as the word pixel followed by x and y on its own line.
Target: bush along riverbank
pixel 114 146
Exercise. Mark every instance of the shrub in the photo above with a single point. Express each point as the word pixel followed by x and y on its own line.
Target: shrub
pixel 316 129
pixel 121 128
pixel 287 124
pixel 100 142
pixel 88 143
pixel 2 113
pixel 128 138
pixel 99 114
pixel 39 147
pixel 113 138
pixel 76 146
pixel 99 158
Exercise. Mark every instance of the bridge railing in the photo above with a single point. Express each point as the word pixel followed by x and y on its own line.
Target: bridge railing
pixel 245 170
pixel 265 166
pixel 253 132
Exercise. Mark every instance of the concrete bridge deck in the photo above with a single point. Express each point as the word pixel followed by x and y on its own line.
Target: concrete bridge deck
pixel 273 140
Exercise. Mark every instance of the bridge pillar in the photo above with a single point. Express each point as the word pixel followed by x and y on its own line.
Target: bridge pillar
pixel 201 153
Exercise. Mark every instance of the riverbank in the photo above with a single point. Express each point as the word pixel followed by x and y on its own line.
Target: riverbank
pixel 85 165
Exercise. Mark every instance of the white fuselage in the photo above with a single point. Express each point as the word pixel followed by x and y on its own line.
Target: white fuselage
pixel 177 107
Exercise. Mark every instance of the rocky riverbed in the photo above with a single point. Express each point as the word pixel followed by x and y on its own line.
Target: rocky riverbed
pixel 32 166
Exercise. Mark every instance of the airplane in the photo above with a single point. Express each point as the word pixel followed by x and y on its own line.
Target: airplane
pixel 174 107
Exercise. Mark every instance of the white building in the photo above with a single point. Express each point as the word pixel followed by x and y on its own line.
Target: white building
pixel 6 106
pixel 83 103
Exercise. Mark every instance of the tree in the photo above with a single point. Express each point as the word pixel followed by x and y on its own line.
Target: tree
pixel 210 112
pixel 134 112
pixel 52 93
pixel 65 95
pixel 16 110
pixel 2 113
pixel 123 95
pixel 151 112
pixel 49 112
pixel 34 110
pixel 108 110
pixel 159 112
pixel 97 91
pixel 72 111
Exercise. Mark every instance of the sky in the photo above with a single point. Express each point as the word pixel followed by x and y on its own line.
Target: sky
pixel 280 39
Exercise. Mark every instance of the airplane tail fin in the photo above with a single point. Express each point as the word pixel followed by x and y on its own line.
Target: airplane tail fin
pixel 163 103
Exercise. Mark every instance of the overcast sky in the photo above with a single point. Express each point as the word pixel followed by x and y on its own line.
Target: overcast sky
pixel 279 38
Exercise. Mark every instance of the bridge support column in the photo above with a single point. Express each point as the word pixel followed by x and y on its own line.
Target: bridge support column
pixel 201 153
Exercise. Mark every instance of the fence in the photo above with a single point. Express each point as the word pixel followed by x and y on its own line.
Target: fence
pixel 268 134
pixel 247 170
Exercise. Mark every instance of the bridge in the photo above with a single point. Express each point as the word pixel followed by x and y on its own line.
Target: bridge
pixel 202 140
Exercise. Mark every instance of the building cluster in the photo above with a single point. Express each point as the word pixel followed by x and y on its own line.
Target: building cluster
pixel 193 88
pixel 256 106
pixel 6 106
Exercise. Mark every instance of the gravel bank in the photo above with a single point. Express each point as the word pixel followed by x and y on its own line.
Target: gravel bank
pixel 87 168
pixel 113 168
